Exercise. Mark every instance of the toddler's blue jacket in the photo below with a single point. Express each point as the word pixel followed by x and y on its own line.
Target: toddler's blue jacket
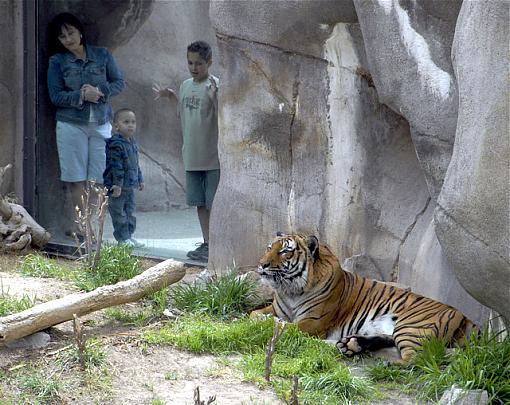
pixel 122 167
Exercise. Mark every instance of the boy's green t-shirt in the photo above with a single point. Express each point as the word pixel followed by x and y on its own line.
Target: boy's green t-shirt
pixel 199 121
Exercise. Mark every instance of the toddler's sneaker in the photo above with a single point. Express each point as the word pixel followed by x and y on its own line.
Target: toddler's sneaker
pixel 136 243
pixel 126 242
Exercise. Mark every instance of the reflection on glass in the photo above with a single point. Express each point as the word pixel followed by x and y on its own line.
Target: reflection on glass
pixel 165 234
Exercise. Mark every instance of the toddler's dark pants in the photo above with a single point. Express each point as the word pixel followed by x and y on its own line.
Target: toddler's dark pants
pixel 121 210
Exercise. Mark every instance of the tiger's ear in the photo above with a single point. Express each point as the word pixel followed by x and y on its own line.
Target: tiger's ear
pixel 313 246
pixel 279 233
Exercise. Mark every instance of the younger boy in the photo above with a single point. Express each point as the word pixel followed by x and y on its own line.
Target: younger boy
pixel 122 175
pixel 198 111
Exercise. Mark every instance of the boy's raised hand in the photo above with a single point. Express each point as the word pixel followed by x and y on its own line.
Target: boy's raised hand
pixel 212 88
pixel 162 91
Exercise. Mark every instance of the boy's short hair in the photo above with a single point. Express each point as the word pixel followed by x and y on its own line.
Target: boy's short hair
pixel 202 48
pixel 120 111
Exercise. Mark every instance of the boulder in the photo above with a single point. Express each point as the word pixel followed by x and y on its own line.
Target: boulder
pixel 473 214
pixel 408 47
pixel 459 396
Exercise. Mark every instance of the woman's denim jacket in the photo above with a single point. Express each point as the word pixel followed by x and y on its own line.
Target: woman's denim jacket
pixel 67 74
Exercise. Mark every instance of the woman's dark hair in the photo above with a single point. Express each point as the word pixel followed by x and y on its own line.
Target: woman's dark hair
pixel 202 48
pixel 55 29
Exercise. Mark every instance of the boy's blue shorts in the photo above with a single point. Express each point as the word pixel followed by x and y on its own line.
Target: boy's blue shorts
pixel 201 187
pixel 81 151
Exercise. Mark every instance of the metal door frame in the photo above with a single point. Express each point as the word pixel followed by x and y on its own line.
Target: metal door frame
pixel 30 63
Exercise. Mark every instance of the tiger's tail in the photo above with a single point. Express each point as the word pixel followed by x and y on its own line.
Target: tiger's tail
pixel 465 330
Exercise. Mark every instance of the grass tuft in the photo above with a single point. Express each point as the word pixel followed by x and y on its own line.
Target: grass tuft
pixel 202 334
pixel 482 363
pixel 43 388
pixel 117 263
pixel 152 309
pixel 94 356
pixel 225 297
pixel 36 265
pixel 10 305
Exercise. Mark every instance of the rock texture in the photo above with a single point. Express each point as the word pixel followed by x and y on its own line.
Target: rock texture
pixel 346 132
pixel 408 44
pixel 473 208
pixel 305 142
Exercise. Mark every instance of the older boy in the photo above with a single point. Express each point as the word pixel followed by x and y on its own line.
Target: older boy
pixel 198 111
pixel 122 175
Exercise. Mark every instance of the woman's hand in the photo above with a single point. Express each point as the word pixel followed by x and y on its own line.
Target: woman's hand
pixel 162 91
pixel 91 93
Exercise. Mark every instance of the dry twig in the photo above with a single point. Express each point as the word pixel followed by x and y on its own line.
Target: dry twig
pixel 197 401
pixel 85 218
pixel 293 393
pixel 80 340
pixel 279 326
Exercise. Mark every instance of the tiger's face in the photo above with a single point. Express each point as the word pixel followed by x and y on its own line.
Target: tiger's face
pixel 288 262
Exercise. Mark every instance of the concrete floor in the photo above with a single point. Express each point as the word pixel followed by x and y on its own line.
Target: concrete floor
pixel 169 234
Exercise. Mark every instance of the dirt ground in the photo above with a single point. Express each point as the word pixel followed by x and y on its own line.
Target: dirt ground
pixel 139 374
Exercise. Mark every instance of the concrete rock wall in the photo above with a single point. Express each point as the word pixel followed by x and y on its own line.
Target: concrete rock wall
pixel 473 211
pixel 408 46
pixel 347 131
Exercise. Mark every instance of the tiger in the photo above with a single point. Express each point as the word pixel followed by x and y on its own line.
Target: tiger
pixel 355 313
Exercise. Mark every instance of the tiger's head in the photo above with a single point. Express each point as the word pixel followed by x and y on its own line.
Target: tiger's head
pixel 288 262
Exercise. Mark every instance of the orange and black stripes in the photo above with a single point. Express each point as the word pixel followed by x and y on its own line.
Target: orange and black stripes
pixel 324 300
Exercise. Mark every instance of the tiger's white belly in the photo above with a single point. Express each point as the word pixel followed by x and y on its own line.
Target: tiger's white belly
pixel 381 325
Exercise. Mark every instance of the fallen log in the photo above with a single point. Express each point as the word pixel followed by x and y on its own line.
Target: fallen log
pixel 52 313
pixel 18 229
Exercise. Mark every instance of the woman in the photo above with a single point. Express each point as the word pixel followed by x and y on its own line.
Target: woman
pixel 81 81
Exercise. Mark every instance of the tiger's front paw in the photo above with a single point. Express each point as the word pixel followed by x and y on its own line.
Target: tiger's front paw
pixel 349 346
pixel 254 315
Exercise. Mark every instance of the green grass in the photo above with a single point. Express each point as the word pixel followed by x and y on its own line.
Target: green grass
pixel 202 334
pixel 226 297
pixel 43 388
pixel 11 305
pixel 94 356
pixel 55 379
pixel 216 323
pixel 36 265
pixel 117 263
pixel 138 318
pixel 323 379
pixel 482 363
